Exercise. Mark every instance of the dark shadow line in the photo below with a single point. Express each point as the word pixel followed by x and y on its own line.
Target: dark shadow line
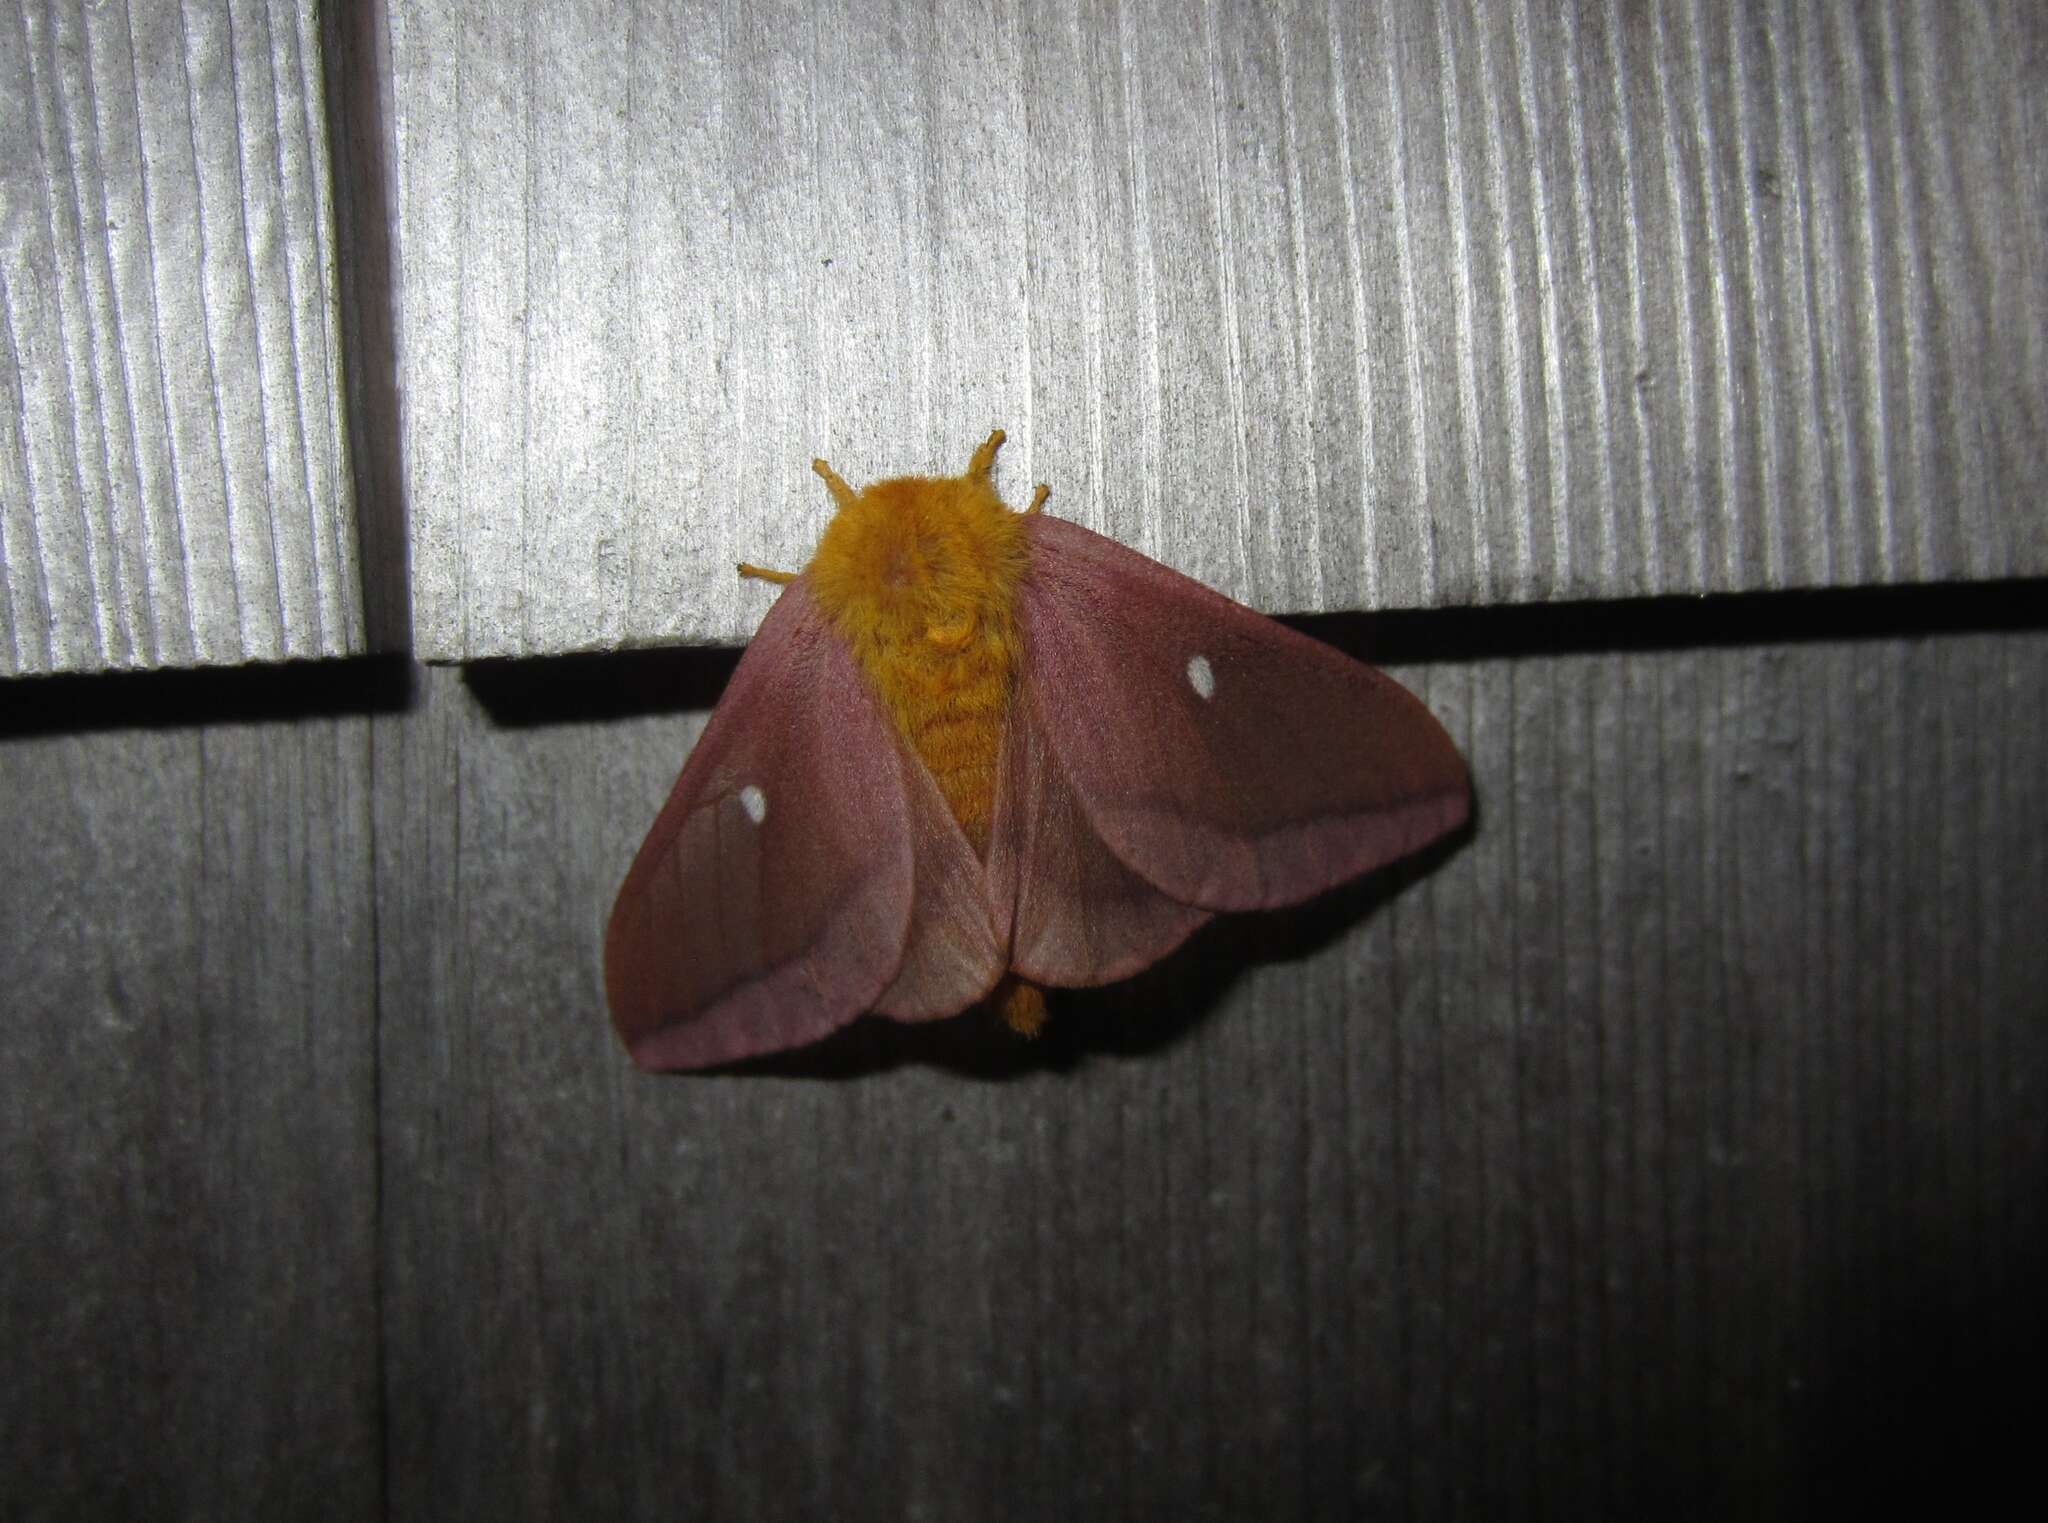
pixel 355 47
pixel 1717 621
pixel 598 686
pixel 87 702
pixel 588 686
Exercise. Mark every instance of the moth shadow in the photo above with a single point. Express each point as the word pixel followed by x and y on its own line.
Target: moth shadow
pixel 1138 1016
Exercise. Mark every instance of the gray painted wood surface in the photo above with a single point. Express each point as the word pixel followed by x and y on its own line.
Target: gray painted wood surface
pixel 174 477
pixel 1331 306
pixel 1675 1142
pixel 189 1141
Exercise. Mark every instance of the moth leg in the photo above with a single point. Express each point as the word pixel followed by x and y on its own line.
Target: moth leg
pixel 842 494
pixel 763 574
pixel 985 458
pixel 1038 499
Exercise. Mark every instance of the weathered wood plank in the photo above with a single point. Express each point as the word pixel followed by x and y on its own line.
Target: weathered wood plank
pixel 174 477
pixel 188 1149
pixel 1625 1153
pixel 1331 306
pixel 1679 1134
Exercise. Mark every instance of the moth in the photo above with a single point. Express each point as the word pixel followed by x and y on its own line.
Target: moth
pixel 974 753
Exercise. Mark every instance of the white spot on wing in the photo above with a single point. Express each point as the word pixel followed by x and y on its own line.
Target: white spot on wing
pixel 755 802
pixel 1200 677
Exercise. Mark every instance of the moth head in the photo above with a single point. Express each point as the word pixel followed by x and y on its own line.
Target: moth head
pixel 917 553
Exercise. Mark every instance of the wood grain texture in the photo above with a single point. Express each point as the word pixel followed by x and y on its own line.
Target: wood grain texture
pixel 1674 1142
pixel 188 1148
pixel 1677 1136
pixel 1330 306
pixel 174 479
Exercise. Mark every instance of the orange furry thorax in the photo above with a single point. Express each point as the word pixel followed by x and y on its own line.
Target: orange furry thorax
pixel 919 576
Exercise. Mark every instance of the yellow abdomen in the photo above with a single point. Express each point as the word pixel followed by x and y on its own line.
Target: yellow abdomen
pixel 949 693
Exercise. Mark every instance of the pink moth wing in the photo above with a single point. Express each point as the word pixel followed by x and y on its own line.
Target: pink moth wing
pixel 1226 760
pixel 1076 914
pixel 804 869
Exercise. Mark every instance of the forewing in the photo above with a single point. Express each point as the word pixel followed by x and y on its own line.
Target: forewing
pixel 771 902
pixel 1229 760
